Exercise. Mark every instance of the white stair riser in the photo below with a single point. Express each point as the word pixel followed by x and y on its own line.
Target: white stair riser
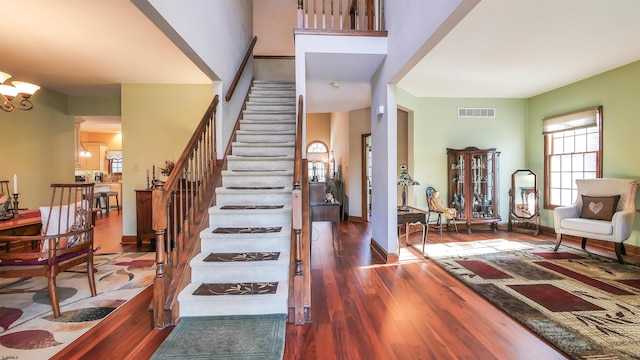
pixel 246 179
pixel 253 199
pixel 239 274
pixel 232 220
pixel 267 127
pixel 248 115
pixel 259 150
pixel 271 99
pixel 265 138
pixel 241 243
pixel 270 164
pixel 270 107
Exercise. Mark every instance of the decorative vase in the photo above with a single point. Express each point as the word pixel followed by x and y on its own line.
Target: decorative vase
pixel 404 198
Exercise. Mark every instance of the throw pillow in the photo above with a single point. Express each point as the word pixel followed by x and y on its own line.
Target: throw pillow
pixel 599 207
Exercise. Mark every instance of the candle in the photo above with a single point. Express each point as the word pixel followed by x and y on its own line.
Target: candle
pixel 15 183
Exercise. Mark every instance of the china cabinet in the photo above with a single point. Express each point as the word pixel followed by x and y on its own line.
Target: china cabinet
pixel 473 186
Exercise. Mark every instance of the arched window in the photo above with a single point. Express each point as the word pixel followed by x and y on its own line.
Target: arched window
pixel 317 156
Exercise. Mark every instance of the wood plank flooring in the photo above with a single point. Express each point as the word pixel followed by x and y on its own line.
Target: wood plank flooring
pixel 364 309
pixel 361 308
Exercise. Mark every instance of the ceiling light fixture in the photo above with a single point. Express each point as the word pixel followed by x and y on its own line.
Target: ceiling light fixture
pixel 335 84
pixel 84 152
pixel 10 92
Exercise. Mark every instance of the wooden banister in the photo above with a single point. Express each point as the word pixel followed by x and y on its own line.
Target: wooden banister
pixel 300 288
pixel 236 79
pixel 179 205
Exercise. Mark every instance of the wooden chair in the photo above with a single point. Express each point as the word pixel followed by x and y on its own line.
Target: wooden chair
pixel 66 240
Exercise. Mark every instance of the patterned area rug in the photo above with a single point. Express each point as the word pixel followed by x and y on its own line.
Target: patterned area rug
pixel 28 329
pixel 240 337
pixel 586 305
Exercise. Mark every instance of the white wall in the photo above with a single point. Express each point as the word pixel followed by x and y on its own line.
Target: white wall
pixel 415 27
pixel 219 32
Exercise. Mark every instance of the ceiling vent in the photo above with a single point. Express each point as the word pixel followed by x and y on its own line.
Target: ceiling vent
pixel 477 112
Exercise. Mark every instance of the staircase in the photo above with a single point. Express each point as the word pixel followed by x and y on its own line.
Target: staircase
pixel 243 267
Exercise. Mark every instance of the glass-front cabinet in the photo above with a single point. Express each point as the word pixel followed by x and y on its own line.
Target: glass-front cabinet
pixel 473 186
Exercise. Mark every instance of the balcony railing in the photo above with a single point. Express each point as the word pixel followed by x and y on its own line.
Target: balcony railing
pixel 346 15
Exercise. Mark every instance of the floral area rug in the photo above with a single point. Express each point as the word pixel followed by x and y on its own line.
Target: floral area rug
pixel 28 329
pixel 585 305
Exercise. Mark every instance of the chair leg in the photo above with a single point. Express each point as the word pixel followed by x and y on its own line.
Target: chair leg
pixel 584 243
pixel 619 251
pixel 558 241
pixel 623 250
pixel 90 273
pixel 53 295
pixel 455 224
pixel 440 223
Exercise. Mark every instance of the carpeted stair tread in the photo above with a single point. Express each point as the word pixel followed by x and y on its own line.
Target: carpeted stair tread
pixel 242 257
pixel 251 207
pixel 215 289
pixel 255 187
pixel 253 230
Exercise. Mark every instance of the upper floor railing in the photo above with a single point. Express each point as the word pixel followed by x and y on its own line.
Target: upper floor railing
pixel 359 15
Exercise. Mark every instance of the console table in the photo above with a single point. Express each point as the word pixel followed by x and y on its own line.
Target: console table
pixel 328 212
pixel 323 211
pixel 412 216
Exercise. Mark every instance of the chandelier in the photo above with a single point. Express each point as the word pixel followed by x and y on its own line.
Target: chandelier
pixel 19 88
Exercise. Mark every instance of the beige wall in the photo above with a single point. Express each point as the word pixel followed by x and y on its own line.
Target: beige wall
pixel 274 36
pixel 157 122
pixel 359 123
pixel 319 128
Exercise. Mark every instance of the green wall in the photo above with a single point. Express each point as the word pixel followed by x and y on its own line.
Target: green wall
pixel 37 145
pixel 618 91
pixel 157 122
pixel 437 127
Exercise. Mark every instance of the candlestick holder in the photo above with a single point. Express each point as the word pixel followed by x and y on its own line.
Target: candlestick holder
pixel 15 205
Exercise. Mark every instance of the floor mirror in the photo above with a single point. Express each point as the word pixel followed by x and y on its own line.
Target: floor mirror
pixel 524 202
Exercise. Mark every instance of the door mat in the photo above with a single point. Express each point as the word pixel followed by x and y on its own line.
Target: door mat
pixel 226 337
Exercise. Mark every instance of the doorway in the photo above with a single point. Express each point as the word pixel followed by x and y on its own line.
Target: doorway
pixel 366 177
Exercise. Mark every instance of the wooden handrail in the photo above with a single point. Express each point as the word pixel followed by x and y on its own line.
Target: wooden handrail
pixel 236 79
pixel 178 206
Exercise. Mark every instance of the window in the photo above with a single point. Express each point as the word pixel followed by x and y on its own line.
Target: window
pixel 115 161
pixel 115 166
pixel 317 156
pixel 573 150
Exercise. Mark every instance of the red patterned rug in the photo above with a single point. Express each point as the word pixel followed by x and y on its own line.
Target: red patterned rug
pixel 28 329
pixel 586 305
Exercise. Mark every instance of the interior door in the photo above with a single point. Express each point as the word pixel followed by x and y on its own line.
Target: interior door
pixel 366 176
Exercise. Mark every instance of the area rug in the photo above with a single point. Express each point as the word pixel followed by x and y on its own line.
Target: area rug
pixel 586 305
pixel 241 337
pixel 28 329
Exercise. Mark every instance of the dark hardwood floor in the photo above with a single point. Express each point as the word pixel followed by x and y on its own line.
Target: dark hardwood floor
pixel 361 307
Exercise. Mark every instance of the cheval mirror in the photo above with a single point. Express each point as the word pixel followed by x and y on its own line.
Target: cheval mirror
pixel 524 204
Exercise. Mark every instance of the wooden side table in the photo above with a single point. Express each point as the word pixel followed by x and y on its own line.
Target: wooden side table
pixel 412 216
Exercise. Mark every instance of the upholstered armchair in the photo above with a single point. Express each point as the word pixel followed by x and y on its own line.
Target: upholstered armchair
pixel 604 210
